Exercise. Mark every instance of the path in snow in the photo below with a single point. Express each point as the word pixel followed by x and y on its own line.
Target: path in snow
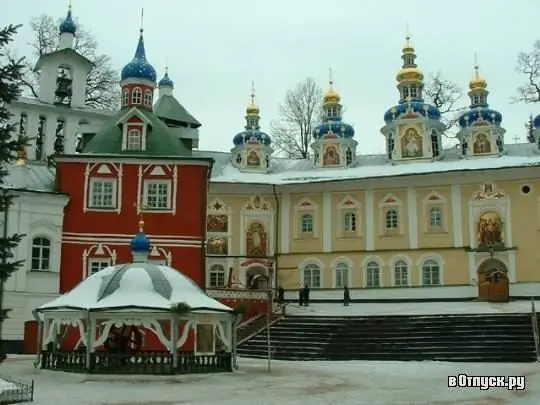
pixel 289 383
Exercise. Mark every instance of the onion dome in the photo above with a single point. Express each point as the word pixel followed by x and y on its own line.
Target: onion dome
pixel 536 122
pixel 479 111
pixel 252 133
pixel 140 243
pixel 139 68
pixel 166 80
pixel 68 26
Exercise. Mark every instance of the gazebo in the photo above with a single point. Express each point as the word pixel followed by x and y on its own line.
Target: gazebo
pixel 111 310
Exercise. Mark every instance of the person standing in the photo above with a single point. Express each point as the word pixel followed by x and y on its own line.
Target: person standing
pixel 281 295
pixel 306 296
pixel 301 297
pixel 346 296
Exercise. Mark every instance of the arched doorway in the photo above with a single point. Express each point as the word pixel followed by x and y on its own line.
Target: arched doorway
pixel 257 279
pixel 493 284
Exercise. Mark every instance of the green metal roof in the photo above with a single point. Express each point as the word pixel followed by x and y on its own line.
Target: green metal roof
pixel 160 141
pixel 168 108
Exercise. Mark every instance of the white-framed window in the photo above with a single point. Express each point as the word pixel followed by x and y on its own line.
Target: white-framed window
pixel 342 275
pixel 134 139
pixel 435 217
pixel 414 93
pixel 125 97
pixel 136 95
pixel 41 254
pixel 431 273
pixel 217 276
pixel 95 265
pixel 391 219
pixel 157 194
pixel 306 223
pixel 373 275
pixel 401 274
pixel 312 275
pixel 148 98
pixel 349 222
pixel 102 193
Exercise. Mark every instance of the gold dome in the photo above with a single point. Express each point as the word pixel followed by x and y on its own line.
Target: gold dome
pixel 407 49
pixel 409 74
pixel 477 82
pixel 331 96
pixel 252 108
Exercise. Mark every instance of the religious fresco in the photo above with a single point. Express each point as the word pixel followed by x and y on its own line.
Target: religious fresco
pixel 217 246
pixel 490 229
pixel 256 240
pixel 481 144
pixel 411 144
pixel 253 159
pixel 331 155
pixel 217 223
pixel 205 340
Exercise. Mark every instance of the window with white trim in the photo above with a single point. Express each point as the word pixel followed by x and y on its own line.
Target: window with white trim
pixel 95 265
pixel 306 224
pixel 217 276
pixel 312 275
pixel 391 220
pixel 41 254
pixel 102 193
pixel 401 274
pixel 136 95
pixel 435 217
pixel 373 275
pixel 148 98
pixel 341 275
pixel 134 139
pixel 125 97
pixel 349 222
pixel 157 194
pixel 431 273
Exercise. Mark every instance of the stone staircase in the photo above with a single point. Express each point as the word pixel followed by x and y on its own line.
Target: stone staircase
pixel 460 338
pixel 254 326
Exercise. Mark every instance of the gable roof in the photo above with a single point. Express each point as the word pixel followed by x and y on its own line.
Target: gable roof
pixel 160 141
pixel 168 108
pixel 62 53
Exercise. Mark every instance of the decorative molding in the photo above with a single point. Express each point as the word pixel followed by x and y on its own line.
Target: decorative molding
pixel 391 265
pixel 430 257
pixel 349 205
pixel 303 207
pixel 99 168
pixel 256 209
pixel 98 249
pixel 347 262
pixel 237 294
pixel 457 217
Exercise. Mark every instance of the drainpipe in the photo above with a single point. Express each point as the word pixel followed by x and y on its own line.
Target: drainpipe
pixel 35 314
pixel 204 218
pixel 276 236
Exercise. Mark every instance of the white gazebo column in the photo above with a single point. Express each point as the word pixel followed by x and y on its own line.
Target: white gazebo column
pixel 174 341
pixel 90 336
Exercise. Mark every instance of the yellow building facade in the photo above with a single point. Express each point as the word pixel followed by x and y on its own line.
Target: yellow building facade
pixel 418 222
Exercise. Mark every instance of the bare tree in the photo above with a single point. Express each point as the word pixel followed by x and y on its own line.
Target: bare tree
pixel 529 128
pixel 447 97
pixel 299 113
pixel 101 83
pixel 528 65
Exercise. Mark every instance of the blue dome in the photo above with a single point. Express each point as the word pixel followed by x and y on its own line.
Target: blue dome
pixel 333 129
pixel 536 122
pixel 139 68
pixel 140 243
pixel 166 81
pixel 473 115
pixel 251 136
pixel 416 107
pixel 68 25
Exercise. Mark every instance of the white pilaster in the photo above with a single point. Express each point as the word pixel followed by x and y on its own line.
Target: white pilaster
pixel 285 215
pixel 327 232
pixel 457 215
pixel 471 256
pixel 512 266
pixel 369 220
pixel 413 217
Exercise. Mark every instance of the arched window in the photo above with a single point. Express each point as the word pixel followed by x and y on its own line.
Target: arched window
pixel 134 141
pixel 217 276
pixel 148 98
pixel 125 97
pixel 312 275
pixel 373 275
pixel 136 96
pixel 431 273
pixel 349 222
pixel 341 275
pixel 348 156
pixel 401 274
pixel 307 223
pixel 41 254
pixel 391 222
pixel 435 217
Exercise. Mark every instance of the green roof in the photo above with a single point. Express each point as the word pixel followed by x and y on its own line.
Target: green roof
pixel 168 108
pixel 159 139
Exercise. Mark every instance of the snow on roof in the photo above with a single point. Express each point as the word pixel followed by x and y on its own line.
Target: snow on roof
pixel 136 286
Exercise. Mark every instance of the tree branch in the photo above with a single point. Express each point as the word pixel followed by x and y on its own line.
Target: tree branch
pixel 528 65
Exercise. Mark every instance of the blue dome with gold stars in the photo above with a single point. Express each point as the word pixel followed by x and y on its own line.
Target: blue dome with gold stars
pixel 140 243
pixel 476 115
pixel 333 128
pixel 536 122
pixel 68 26
pixel 139 68
pixel 412 108
pixel 166 81
pixel 253 136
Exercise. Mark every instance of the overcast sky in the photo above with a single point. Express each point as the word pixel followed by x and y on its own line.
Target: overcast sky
pixel 215 48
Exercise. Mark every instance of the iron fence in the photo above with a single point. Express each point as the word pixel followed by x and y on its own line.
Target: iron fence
pixel 14 392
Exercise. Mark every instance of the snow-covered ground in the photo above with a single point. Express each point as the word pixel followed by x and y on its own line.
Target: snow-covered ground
pixel 412 308
pixel 289 383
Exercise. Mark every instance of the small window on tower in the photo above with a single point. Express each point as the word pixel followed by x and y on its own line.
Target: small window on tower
pixel 125 97
pixel 405 92
pixel 134 140
pixel 148 98
pixel 414 93
pixel 136 96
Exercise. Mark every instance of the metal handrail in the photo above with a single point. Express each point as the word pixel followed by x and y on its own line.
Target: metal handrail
pixel 534 319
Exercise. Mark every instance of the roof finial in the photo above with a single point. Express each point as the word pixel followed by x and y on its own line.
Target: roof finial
pixel 476 73
pixel 407 32
pixel 253 92
pixel 142 21
pixel 330 78
pixel 69 5
pixel 140 207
